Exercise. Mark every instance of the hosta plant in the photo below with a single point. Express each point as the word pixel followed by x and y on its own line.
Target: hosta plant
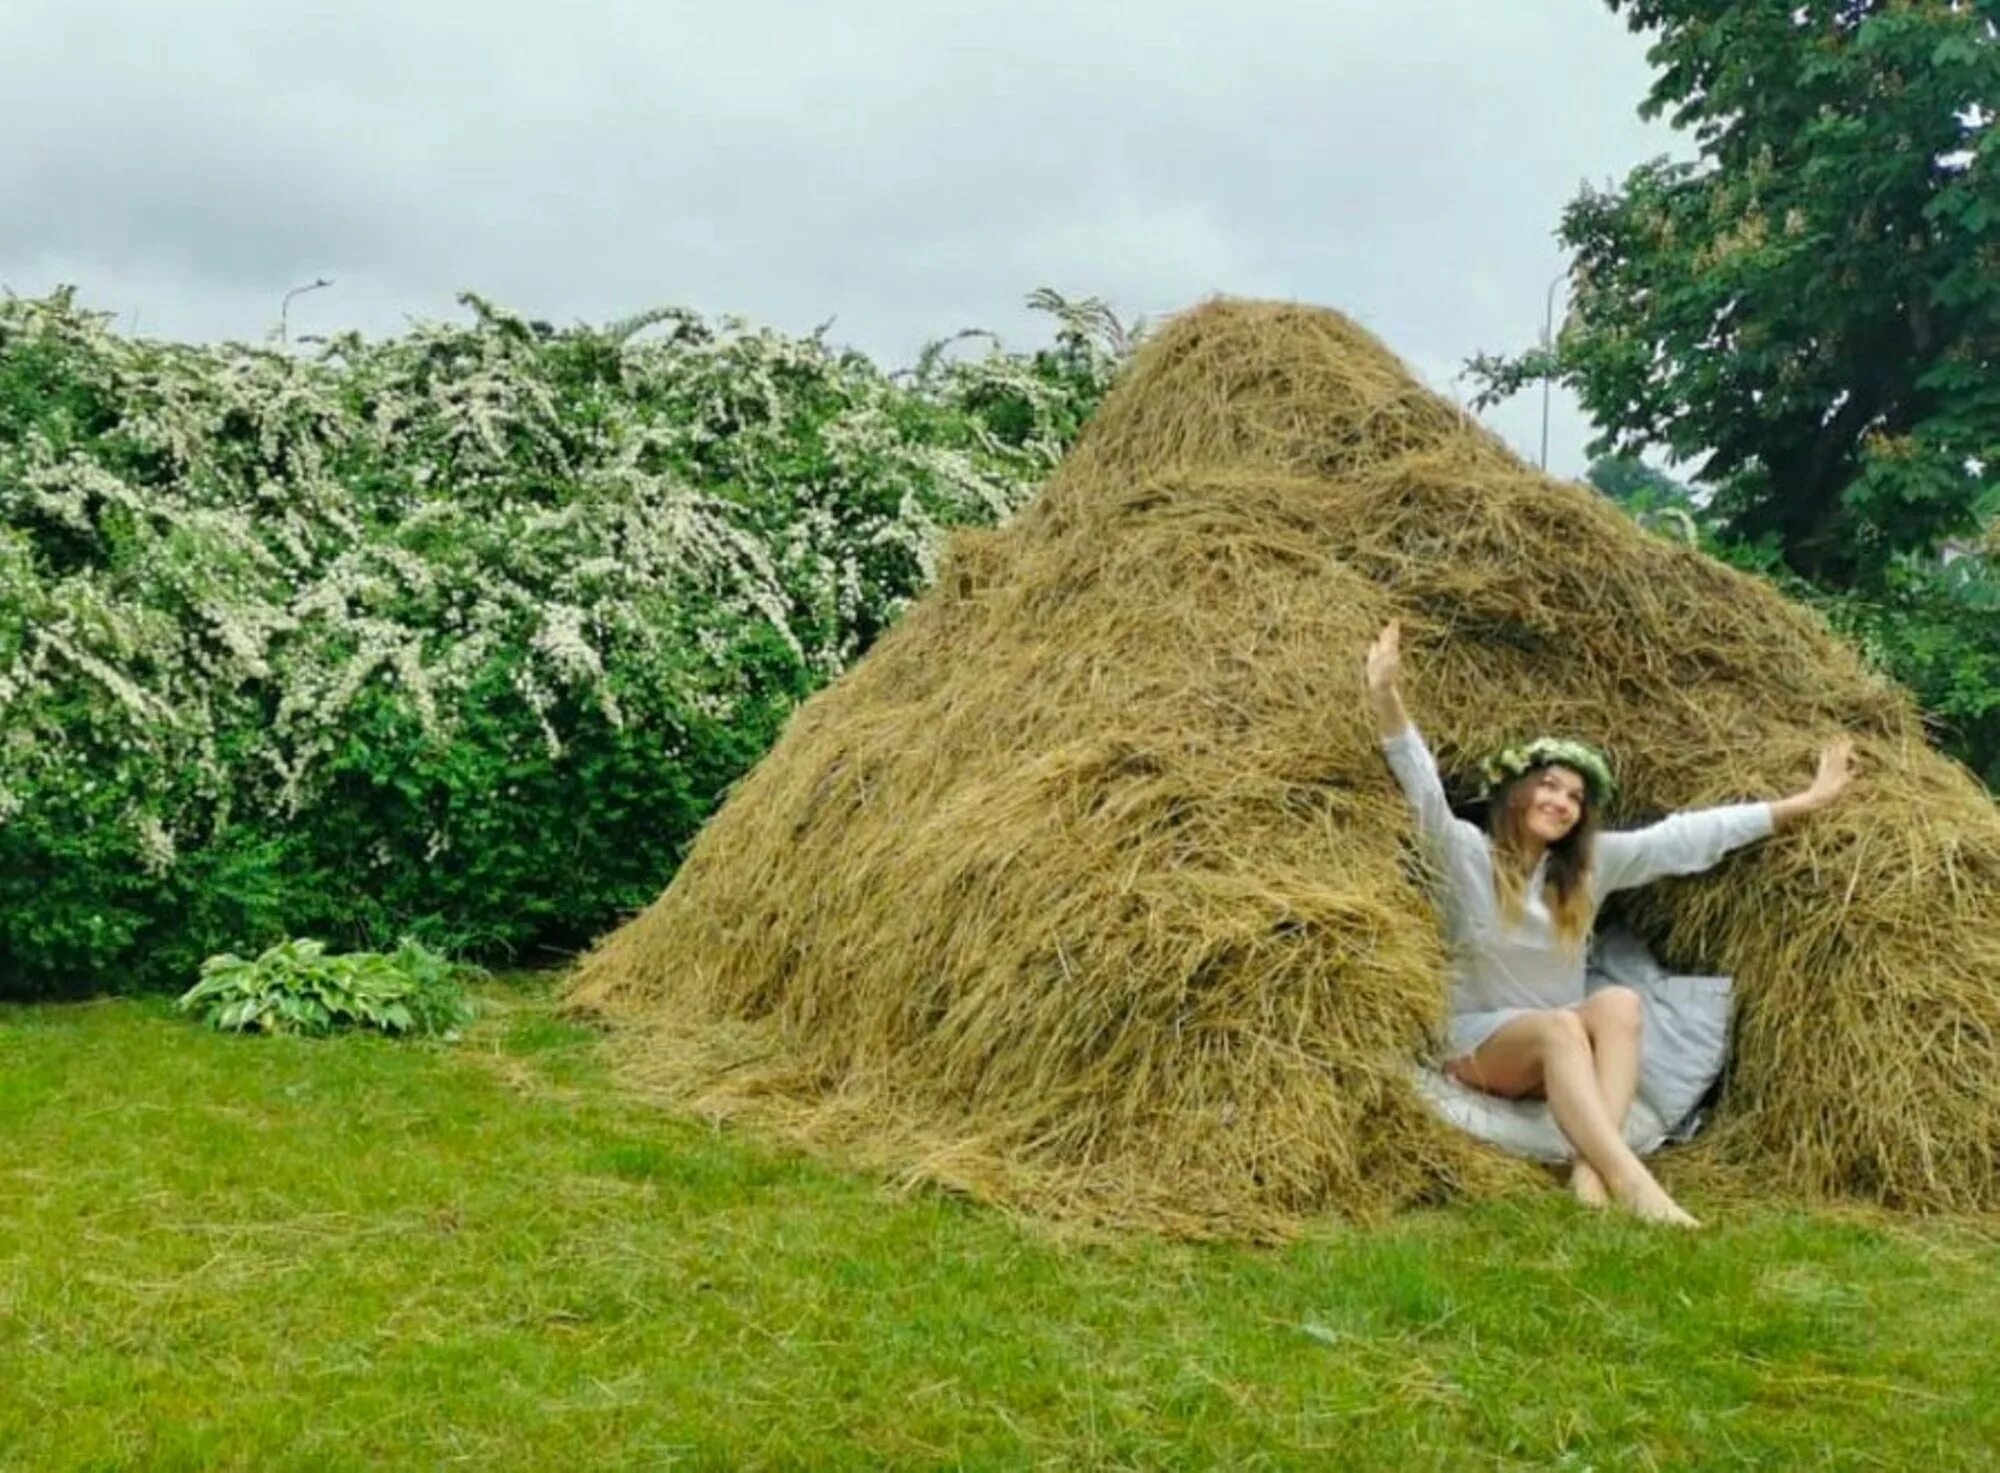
pixel 297 986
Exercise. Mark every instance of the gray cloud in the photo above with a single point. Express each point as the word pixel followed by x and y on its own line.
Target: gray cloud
pixel 905 168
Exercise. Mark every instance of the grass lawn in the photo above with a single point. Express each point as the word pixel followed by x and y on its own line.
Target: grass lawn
pixel 265 1253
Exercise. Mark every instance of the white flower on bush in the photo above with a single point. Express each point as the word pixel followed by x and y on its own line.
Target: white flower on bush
pixel 156 845
pixel 264 538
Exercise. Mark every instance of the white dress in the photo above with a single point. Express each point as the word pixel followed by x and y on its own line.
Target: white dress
pixel 1500 971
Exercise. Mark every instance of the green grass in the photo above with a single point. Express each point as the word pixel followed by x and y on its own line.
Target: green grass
pixel 271 1253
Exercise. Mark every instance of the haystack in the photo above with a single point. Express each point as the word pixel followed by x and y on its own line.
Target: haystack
pixel 1088 891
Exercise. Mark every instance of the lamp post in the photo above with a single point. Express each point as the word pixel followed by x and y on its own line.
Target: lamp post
pixel 1548 343
pixel 285 305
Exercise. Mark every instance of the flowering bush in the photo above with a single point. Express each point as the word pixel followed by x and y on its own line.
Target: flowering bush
pixel 457 635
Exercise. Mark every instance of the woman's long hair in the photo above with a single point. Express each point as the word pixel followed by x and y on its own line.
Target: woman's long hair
pixel 1567 879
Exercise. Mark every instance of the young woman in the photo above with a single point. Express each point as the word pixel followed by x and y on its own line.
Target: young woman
pixel 1518 902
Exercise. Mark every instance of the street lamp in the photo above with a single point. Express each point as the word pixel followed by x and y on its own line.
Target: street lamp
pixel 1548 343
pixel 285 306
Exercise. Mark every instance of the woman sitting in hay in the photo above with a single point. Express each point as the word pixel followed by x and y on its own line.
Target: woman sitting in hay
pixel 1518 905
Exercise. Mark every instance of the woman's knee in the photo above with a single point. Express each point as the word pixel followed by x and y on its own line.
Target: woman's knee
pixel 1615 1009
pixel 1560 1030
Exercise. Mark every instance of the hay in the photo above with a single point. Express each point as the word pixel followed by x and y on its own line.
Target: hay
pixel 1087 890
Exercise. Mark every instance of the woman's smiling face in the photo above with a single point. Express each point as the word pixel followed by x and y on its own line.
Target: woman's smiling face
pixel 1552 802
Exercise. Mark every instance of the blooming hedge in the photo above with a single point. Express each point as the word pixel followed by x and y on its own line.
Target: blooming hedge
pixel 457 635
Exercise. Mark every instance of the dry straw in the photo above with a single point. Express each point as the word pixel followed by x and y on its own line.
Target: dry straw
pixel 1087 891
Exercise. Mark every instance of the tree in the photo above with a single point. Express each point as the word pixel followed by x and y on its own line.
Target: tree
pixel 1630 481
pixel 1810 309
pixel 1655 499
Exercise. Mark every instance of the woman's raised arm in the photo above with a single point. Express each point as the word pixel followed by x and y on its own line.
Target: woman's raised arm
pixel 1688 843
pixel 1385 673
pixel 1442 832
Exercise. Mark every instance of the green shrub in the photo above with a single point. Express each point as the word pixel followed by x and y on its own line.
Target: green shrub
pixel 460 635
pixel 1935 626
pixel 1929 622
pixel 296 987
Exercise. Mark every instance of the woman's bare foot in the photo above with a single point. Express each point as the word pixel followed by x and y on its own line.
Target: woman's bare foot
pixel 1587 1186
pixel 1648 1201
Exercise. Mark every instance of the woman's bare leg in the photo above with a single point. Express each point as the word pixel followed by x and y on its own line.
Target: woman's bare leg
pixel 1548 1053
pixel 1614 1019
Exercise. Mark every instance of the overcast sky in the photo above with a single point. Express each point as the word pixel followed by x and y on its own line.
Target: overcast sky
pixel 904 167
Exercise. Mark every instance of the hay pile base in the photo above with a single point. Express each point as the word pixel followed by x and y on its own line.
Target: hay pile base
pixel 1088 891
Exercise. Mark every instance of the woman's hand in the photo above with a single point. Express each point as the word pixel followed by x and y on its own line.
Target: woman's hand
pixel 1836 771
pixel 1385 672
pixel 1385 658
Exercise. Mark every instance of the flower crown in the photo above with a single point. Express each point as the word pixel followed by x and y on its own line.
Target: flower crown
pixel 1511 762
